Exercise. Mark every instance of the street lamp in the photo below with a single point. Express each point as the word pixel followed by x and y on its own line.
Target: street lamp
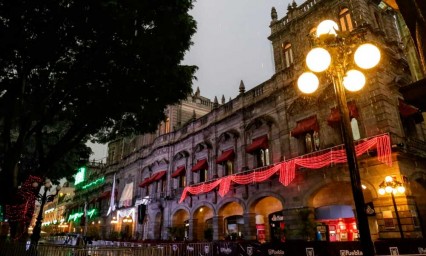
pixel 391 186
pixel 338 55
pixel 42 198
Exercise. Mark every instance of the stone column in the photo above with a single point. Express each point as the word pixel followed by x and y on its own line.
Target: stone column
pixel 250 226
pixel 193 229
pixel 218 228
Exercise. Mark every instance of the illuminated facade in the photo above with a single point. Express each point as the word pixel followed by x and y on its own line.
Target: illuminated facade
pixel 261 166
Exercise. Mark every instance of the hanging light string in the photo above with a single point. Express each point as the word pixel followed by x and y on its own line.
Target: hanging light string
pixel 287 169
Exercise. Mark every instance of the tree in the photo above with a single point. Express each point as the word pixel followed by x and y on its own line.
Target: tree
pixel 77 69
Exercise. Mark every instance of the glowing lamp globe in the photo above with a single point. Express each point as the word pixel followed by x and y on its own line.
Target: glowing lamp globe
pixel 388 189
pixel 318 59
pixel 401 189
pixel 327 27
pixel 382 191
pixel 308 82
pixel 367 56
pixel 354 80
pixel 388 178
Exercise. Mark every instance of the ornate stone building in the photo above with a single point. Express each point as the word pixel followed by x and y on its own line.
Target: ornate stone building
pixel 260 166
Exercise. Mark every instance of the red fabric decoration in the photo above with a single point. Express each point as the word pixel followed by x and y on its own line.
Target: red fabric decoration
pixel 226 155
pixel 145 182
pixel 179 172
pixel 158 176
pixel 287 169
pixel 258 143
pixel 335 113
pixel 406 110
pixel 306 125
pixel 200 165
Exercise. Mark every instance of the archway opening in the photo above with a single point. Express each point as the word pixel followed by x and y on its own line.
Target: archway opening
pixel 263 208
pixel 233 221
pixel 180 225
pixel 203 224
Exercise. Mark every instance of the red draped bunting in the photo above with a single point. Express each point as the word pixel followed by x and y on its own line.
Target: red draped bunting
pixel 287 169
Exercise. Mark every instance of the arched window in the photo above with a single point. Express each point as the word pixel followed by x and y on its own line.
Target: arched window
pixel 167 126
pixel 288 55
pixel 345 20
pixel 355 129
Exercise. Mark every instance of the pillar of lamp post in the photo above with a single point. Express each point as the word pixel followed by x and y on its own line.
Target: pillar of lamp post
pixel 391 186
pixel 42 198
pixel 338 69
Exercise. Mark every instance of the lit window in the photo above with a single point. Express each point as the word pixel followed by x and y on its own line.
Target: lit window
pixel 182 181
pixel 288 55
pixel 262 157
pixel 312 142
pixel 167 126
pixel 355 129
pixel 228 167
pixel 345 20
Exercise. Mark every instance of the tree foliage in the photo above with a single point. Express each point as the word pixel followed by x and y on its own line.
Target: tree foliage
pixel 73 69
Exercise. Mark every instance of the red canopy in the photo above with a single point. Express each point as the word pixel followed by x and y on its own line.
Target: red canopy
pixel 145 182
pixel 201 164
pixel 306 125
pixel 258 143
pixel 158 176
pixel 226 155
pixel 179 172
pixel 407 110
pixel 335 113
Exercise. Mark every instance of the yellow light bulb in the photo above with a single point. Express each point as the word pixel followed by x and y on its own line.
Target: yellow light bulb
pixel 382 191
pixel 318 59
pixel 388 178
pixel 388 189
pixel 308 82
pixel 327 27
pixel 367 56
pixel 354 80
pixel 401 189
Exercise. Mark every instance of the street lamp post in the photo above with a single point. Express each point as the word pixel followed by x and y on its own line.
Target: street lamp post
pixel 332 54
pixel 42 198
pixel 391 186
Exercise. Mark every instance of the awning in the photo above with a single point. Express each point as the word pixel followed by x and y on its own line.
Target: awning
pixel 335 113
pixel 145 182
pixel 200 165
pixel 179 172
pixel 407 110
pixel 226 155
pixel 258 143
pixel 126 196
pixel 306 125
pixel 158 176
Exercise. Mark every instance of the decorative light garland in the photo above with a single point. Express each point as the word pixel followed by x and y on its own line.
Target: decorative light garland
pixel 287 169
pixel 77 215
pixel 94 183
pixel 25 198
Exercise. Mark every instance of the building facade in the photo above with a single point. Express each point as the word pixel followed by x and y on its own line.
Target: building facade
pixel 261 165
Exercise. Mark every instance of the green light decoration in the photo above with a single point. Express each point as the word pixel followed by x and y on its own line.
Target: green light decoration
pixel 80 175
pixel 77 215
pixel 94 183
